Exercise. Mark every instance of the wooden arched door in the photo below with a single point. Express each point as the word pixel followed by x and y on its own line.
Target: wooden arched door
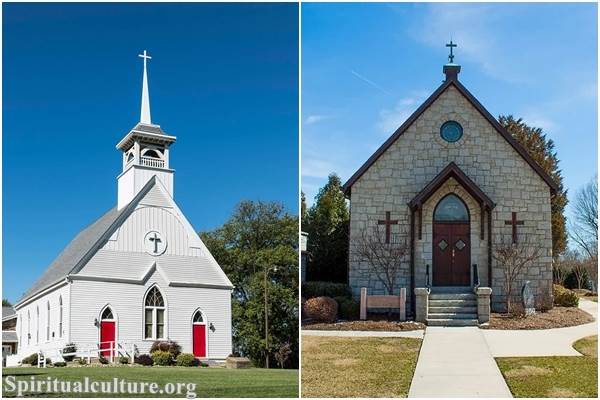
pixel 451 243
pixel 199 334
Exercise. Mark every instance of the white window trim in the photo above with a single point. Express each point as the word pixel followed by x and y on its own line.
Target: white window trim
pixel 154 319
pixel 60 317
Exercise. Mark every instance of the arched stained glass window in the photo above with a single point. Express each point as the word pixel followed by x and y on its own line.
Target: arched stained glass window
pixel 198 318
pixel 107 313
pixel 451 209
pixel 154 315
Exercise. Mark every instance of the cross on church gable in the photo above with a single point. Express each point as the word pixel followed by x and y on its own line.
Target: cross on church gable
pixel 388 222
pixel 156 240
pixel 514 222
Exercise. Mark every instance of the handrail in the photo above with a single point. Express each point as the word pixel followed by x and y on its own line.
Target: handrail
pixel 427 281
pixel 88 350
pixel 475 276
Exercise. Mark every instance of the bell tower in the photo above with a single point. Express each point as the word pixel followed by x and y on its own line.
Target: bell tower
pixel 145 152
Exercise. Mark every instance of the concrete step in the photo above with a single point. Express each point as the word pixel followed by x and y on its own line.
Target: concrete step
pixel 451 289
pixel 452 322
pixel 452 296
pixel 452 303
pixel 453 309
pixel 452 316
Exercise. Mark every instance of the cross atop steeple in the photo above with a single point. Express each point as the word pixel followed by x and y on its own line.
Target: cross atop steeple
pixel 451 56
pixel 145 111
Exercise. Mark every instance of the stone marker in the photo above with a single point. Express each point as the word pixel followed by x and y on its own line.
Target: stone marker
pixel 237 362
pixel 528 299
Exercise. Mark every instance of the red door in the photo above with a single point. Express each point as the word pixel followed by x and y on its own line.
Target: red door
pixel 451 254
pixel 199 334
pixel 107 337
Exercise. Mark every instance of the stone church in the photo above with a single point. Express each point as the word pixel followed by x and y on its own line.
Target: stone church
pixel 138 274
pixel 453 183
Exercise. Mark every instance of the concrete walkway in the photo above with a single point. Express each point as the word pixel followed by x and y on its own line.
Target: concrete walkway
pixel 542 342
pixel 456 362
pixel 418 334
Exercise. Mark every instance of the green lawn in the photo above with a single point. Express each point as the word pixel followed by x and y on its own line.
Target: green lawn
pixel 554 376
pixel 211 382
pixel 357 367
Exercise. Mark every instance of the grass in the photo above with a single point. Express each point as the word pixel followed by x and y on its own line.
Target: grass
pixel 210 382
pixel 554 376
pixel 358 367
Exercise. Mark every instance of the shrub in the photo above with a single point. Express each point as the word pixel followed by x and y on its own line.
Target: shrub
pixel 348 309
pixel 321 309
pixel 328 289
pixel 102 359
pixel 144 359
pixel 60 364
pixel 202 364
pixel 564 297
pixel 161 357
pixel 170 346
pixel 124 360
pixel 48 361
pixel 69 348
pixel 82 361
pixel 31 360
pixel 186 360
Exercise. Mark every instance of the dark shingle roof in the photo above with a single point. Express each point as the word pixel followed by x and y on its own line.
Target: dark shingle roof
pixel 7 311
pixel 74 252
pixel 9 336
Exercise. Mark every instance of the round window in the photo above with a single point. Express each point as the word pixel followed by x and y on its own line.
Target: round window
pixel 451 131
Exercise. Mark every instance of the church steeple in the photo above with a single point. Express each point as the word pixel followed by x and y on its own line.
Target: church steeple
pixel 145 111
pixel 145 152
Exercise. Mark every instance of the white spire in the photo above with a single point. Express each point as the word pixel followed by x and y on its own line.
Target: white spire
pixel 145 112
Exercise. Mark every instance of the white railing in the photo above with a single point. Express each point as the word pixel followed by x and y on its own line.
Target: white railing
pixel 152 162
pixel 114 349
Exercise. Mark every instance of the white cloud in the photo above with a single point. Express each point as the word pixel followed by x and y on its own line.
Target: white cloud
pixel 391 119
pixel 313 119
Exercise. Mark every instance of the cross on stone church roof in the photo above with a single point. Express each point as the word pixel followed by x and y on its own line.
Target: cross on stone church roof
pixel 451 56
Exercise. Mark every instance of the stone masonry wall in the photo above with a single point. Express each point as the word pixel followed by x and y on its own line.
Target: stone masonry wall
pixel 485 156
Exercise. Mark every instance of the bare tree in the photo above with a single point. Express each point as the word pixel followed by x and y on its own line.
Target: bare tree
pixel 383 253
pixel 512 258
pixel 584 228
pixel 560 271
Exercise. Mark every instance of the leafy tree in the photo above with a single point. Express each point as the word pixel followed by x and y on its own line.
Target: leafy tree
pixel 327 223
pixel 541 149
pixel 6 303
pixel 260 237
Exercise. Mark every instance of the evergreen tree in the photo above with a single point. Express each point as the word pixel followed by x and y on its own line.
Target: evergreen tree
pixel 541 149
pixel 6 303
pixel 327 223
pixel 303 211
pixel 260 237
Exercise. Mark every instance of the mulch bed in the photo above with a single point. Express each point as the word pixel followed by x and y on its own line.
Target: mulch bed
pixel 364 326
pixel 558 317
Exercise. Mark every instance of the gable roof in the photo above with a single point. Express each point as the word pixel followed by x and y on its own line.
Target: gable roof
pixel 8 313
pixel 479 107
pixel 81 245
pixel 451 171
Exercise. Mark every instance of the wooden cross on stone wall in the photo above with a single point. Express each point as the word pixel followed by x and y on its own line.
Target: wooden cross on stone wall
pixel 388 222
pixel 514 224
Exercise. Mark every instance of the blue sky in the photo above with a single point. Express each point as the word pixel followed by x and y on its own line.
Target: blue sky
pixel 367 67
pixel 223 79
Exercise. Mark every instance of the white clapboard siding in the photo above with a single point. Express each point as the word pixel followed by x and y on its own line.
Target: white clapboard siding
pixel 156 197
pixel 24 349
pixel 126 301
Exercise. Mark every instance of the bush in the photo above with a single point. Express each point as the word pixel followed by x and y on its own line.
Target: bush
pixel 60 364
pixel 170 346
pixel 102 359
pixel 564 297
pixel 82 361
pixel 328 289
pixel 124 360
pixel 348 309
pixel 160 357
pixel 186 360
pixel 69 348
pixel 322 309
pixel 31 360
pixel 144 359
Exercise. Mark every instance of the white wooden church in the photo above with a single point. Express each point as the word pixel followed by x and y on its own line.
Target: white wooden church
pixel 138 274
